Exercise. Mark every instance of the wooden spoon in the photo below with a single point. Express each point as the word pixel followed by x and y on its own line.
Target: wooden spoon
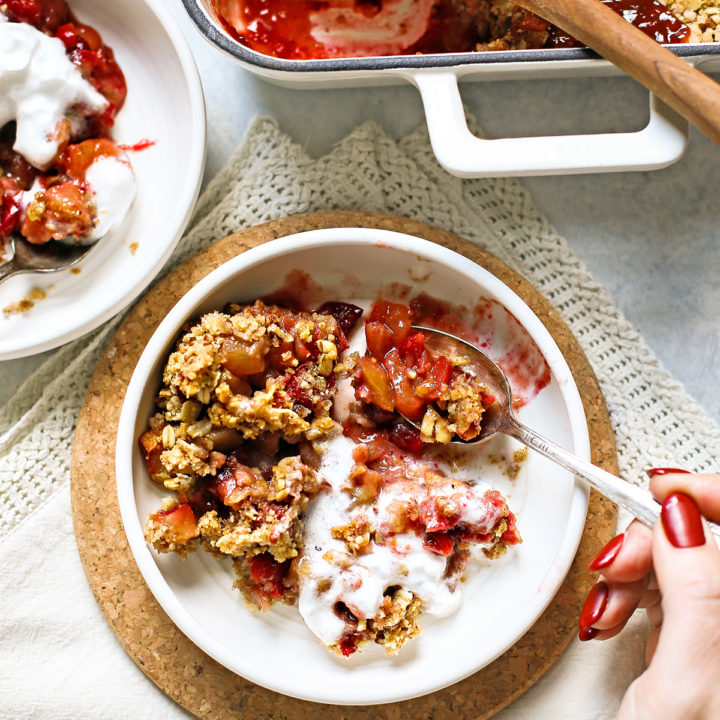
pixel 688 91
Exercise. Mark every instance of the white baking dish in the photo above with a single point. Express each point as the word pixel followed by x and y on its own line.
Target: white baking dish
pixel 660 143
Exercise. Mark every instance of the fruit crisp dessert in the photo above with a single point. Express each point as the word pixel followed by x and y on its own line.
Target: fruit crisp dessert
pixel 311 29
pixel 287 453
pixel 61 176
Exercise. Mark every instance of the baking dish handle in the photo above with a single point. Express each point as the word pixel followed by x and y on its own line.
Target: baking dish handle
pixel 660 143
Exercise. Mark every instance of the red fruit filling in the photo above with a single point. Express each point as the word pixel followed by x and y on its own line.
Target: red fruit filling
pixel 180 521
pixel 267 575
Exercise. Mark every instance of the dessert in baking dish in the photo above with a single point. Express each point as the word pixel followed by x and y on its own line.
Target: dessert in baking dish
pixel 307 29
pixel 278 431
pixel 61 176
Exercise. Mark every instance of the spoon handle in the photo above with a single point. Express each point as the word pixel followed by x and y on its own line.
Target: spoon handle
pixel 637 501
pixel 687 90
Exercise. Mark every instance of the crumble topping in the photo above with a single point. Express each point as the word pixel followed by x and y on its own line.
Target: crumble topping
pixel 701 16
pixel 355 534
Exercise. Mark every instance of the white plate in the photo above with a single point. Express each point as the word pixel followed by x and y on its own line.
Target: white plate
pixel 165 104
pixel 277 650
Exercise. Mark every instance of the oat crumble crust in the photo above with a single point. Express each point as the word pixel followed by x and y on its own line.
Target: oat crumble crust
pixel 462 401
pixel 356 534
pixel 204 407
pixel 395 624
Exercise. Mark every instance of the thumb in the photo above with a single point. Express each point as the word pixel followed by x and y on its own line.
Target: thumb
pixel 685 666
pixel 685 556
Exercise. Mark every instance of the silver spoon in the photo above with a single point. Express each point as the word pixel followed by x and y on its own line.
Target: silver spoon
pixel 499 418
pixel 47 258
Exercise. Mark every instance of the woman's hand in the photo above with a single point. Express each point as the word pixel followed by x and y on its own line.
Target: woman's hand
pixel 673 571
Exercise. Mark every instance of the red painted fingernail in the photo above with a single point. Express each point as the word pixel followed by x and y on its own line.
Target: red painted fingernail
pixel 652 472
pixel 608 554
pixel 587 633
pixel 595 604
pixel 682 521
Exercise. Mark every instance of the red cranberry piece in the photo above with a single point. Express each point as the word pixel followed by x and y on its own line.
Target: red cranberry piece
pixel 348 645
pixel 54 14
pixel 346 314
pixel 70 38
pixel 108 78
pixel 45 15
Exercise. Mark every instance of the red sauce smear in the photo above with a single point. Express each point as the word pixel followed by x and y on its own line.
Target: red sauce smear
pixel 282 28
pixel 138 146
pixel 497 333
pixel 652 17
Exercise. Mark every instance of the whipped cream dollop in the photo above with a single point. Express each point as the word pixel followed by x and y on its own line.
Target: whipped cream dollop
pixel 112 182
pixel 361 584
pixel 39 87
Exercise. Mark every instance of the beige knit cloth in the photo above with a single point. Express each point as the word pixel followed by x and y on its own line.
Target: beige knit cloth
pixel 59 658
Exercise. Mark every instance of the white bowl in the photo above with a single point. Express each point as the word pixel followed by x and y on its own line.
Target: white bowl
pixel 165 104
pixel 500 604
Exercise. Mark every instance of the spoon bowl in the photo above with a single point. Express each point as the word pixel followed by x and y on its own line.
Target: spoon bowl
pixel 500 418
pixel 47 258
pixel 479 365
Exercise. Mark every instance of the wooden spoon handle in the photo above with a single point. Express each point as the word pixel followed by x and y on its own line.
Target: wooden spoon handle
pixel 688 91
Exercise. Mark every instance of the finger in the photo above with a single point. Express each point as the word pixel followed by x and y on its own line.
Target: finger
pixel 650 597
pixel 705 489
pixel 591 633
pixel 627 557
pixel 655 613
pixel 652 643
pixel 653 585
pixel 622 601
pixel 686 559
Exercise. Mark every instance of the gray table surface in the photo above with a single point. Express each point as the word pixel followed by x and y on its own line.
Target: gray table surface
pixel 649 238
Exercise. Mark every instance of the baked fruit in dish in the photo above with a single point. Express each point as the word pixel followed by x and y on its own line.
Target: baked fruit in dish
pixel 62 178
pixel 287 455
pixel 312 29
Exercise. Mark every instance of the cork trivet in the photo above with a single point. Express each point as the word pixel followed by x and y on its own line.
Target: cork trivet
pixel 174 663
